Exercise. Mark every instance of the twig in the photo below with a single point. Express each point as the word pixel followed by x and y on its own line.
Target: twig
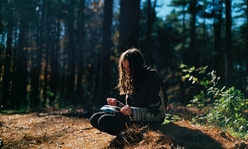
pixel 87 128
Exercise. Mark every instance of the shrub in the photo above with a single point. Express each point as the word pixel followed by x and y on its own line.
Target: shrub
pixel 225 107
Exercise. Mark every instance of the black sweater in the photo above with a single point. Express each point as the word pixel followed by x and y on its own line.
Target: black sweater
pixel 148 103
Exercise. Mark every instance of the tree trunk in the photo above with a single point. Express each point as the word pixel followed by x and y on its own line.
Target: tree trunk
pixel 106 50
pixel 1 16
pixel 129 24
pixel 46 57
pixel 80 49
pixel 71 54
pixel 36 68
pixel 7 62
pixel 184 22
pixel 20 75
pixel 55 76
pixel 246 46
pixel 190 53
pixel 228 58
pixel 147 49
pixel 218 59
pixel 183 83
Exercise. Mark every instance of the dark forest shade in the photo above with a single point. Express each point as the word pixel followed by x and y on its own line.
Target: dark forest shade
pixel 66 51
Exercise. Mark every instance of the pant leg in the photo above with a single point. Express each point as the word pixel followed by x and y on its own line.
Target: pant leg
pixel 110 123
pixel 124 121
pixel 94 119
pixel 114 123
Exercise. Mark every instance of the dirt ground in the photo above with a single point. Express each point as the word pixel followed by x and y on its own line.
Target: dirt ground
pixel 64 131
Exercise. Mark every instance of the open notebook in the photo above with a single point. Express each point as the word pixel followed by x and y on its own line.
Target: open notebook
pixel 110 109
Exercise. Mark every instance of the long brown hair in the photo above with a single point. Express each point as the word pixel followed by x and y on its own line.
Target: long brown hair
pixel 136 64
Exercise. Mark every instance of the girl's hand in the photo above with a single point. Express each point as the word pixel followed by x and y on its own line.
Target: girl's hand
pixel 126 110
pixel 112 101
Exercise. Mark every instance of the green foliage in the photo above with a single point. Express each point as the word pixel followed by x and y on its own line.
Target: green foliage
pixel 208 81
pixel 21 109
pixel 170 118
pixel 228 111
pixel 225 107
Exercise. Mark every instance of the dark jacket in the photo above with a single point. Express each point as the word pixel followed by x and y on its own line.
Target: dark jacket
pixel 149 101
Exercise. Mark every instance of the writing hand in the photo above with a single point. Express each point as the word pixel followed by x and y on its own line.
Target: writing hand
pixel 112 101
pixel 126 110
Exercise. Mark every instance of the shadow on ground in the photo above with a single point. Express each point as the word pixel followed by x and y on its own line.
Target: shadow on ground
pixel 182 137
pixel 169 136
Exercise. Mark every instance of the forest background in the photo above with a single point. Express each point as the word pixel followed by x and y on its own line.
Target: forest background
pixel 60 53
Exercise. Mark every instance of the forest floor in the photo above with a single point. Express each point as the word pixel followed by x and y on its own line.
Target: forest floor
pixel 65 130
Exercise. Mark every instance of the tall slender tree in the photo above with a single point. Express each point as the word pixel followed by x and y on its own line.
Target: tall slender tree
pixel 1 16
pixel 129 24
pixel 7 62
pixel 246 45
pixel 80 48
pixel 20 75
pixel 106 50
pixel 149 22
pixel 71 52
pixel 55 76
pixel 190 53
pixel 36 68
pixel 218 58
pixel 228 53
pixel 49 38
pixel 184 24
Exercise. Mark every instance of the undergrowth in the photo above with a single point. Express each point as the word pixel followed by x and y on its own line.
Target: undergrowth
pixel 225 107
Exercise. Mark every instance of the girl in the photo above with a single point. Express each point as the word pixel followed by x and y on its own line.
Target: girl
pixel 145 99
